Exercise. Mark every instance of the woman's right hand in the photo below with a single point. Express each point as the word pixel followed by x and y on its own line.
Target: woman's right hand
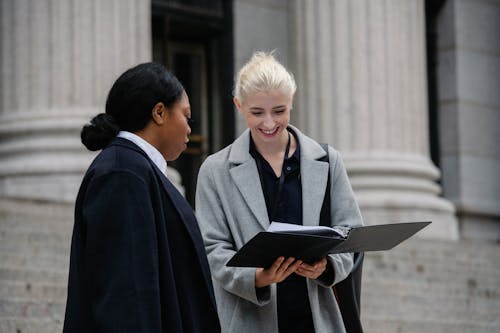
pixel 278 271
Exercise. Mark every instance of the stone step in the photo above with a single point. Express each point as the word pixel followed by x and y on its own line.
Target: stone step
pixel 28 259
pixel 466 279
pixel 383 324
pixel 460 252
pixel 471 252
pixel 23 223
pixel 430 268
pixel 26 308
pixel 458 257
pixel 413 307
pixel 33 275
pixel 419 286
pixel 36 208
pixel 33 290
pixel 29 325
pixel 405 301
pixel 450 290
pixel 35 238
pixel 36 250
pixel 35 242
pixel 432 286
pixel 483 279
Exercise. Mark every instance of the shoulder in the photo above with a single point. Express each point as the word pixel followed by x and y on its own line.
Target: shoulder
pixel 334 154
pixel 216 164
pixel 218 159
pixel 234 154
pixel 311 149
pixel 125 159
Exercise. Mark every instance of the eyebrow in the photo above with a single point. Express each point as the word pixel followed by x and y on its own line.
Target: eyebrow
pixel 273 108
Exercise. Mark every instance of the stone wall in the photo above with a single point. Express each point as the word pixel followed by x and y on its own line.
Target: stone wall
pixel 469 113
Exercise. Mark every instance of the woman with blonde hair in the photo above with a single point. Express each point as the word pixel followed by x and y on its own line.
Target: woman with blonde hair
pixel 272 172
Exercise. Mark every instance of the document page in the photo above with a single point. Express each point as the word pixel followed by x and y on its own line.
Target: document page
pixel 337 231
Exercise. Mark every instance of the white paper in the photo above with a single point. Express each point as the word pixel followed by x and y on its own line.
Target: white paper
pixel 319 230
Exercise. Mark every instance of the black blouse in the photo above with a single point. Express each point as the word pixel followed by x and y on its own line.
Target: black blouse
pixel 294 311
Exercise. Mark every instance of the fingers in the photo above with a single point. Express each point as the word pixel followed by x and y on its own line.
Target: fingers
pixel 282 268
pixel 292 267
pixel 288 266
pixel 277 264
pixel 312 271
pixel 278 271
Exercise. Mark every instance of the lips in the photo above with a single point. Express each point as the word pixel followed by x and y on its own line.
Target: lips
pixel 270 133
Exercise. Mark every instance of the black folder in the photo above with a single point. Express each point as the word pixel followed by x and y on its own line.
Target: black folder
pixel 265 247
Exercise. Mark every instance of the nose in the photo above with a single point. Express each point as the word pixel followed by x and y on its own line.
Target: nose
pixel 268 121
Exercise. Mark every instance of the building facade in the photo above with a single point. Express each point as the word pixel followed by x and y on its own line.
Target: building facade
pixel 407 90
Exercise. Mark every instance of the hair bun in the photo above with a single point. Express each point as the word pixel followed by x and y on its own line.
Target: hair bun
pixel 99 133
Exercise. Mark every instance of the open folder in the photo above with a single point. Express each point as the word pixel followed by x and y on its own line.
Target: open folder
pixel 310 244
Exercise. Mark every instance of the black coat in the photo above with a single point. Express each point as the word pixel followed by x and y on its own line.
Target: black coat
pixel 137 261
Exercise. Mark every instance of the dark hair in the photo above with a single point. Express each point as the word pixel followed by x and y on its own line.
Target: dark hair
pixel 130 101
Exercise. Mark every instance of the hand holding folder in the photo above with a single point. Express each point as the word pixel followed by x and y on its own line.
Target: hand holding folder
pixel 309 244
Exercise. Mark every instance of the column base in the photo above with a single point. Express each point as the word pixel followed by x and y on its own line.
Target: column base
pixel 42 157
pixel 391 188
pixel 41 153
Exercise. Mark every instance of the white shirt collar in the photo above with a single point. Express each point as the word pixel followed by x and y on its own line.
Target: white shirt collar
pixel 149 149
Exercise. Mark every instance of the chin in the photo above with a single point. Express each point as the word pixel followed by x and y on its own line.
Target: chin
pixel 173 157
pixel 177 154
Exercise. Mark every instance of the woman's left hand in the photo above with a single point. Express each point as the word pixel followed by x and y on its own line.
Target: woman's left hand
pixel 312 271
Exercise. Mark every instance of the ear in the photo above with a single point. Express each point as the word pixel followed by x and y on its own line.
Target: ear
pixel 237 103
pixel 158 113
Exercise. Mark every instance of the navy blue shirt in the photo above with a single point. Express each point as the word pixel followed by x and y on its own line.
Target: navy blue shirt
pixel 294 311
pixel 288 209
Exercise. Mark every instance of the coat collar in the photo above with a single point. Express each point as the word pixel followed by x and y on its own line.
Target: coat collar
pixel 127 144
pixel 314 175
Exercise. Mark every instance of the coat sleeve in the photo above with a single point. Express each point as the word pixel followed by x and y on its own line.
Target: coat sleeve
pixel 121 254
pixel 344 211
pixel 219 243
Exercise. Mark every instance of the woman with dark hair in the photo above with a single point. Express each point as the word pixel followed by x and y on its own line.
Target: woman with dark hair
pixel 137 258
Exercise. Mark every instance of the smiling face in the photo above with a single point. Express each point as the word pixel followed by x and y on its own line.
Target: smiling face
pixel 267 115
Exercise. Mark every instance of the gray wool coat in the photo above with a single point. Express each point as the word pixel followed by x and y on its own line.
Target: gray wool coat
pixel 231 210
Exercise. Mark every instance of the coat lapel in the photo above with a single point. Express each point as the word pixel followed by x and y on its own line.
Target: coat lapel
pixel 314 176
pixel 246 177
pixel 192 228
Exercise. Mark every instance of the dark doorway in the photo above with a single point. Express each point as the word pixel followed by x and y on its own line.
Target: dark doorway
pixel 194 39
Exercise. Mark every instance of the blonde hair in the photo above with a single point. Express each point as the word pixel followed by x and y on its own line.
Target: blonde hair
pixel 263 73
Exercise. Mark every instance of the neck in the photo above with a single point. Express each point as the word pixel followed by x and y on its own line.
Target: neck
pixel 146 136
pixel 149 135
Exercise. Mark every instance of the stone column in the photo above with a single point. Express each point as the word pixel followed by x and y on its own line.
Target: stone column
pixel 361 74
pixel 58 61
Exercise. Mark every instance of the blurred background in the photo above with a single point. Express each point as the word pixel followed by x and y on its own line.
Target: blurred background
pixel 407 90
